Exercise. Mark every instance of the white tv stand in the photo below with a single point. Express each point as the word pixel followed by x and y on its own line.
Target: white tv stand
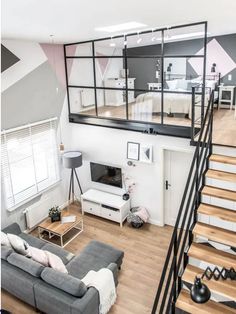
pixel 106 205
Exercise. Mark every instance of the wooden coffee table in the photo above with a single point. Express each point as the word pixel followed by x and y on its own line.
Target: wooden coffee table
pixel 64 232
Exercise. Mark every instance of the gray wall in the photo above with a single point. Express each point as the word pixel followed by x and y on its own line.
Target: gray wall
pixel 32 98
pixel 144 69
pixel 7 58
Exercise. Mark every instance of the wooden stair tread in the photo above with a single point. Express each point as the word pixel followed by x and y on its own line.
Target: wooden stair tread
pixel 221 175
pixel 215 234
pixel 226 288
pixel 222 213
pixel 185 303
pixel 212 255
pixel 223 159
pixel 219 193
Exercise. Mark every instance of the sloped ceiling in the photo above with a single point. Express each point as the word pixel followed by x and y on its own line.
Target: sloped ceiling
pixel 75 20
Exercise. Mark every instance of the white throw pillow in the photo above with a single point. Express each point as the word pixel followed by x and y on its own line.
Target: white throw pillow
pixel 197 80
pixel 172 85
pixel 19 245
pixel 182 84
pixel 210 84
pixel 4 239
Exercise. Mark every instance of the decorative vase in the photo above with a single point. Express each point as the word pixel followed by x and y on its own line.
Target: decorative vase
pixel 125 197
pixel 56 217
pixel 200 293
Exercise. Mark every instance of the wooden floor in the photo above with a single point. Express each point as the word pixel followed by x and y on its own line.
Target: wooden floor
pixel 224 126
pixel 145 250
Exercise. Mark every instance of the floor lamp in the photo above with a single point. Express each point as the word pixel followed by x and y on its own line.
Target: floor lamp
pixel 72 160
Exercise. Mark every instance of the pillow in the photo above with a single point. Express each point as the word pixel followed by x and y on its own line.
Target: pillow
pixel 190 85
pixel 182 84
pixel 18 244
pixel 64 282
pixel 47 259
pixel 4 239
pixel 172 84
pixel 55 262
pixel 27 264
pixel 197 80
pixel 211 84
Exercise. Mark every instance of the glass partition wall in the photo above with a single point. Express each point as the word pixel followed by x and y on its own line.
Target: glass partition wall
pixel 141 81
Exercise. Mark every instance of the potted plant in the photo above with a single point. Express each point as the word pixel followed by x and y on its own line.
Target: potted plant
pixel 55 213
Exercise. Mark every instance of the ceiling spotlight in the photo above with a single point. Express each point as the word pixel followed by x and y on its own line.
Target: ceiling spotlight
pixel 125 40
pixel 139 39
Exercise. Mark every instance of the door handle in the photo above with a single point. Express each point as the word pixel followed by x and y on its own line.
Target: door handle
pixel 167 185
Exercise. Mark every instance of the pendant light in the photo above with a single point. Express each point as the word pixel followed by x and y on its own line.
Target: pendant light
pixel 61 146
pixel 199 293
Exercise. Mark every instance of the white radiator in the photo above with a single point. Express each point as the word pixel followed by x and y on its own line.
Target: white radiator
pixel 37 212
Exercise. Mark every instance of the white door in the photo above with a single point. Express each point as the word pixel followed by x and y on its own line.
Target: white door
pixel 176 169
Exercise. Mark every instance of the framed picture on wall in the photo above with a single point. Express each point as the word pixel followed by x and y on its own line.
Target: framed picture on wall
pixel 145 153
pixel 133 150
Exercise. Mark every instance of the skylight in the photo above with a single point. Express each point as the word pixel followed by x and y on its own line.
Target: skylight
pixel 120 27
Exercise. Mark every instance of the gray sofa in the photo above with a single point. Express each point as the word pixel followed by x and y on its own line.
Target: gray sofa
pixel 50 291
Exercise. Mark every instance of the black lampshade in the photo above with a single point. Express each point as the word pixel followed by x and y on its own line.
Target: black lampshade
pixel 213 68
pixel 169 67
pixel 200 293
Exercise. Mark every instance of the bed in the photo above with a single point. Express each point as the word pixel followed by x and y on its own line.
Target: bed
pixel 175 102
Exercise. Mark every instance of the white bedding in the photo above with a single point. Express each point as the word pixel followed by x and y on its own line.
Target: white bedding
pixel 149 103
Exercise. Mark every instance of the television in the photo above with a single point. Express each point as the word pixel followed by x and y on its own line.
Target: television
pixel 106 174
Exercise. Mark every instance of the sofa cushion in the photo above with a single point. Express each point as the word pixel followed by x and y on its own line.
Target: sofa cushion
pixel 33 241
pixel 64 282
pixel 18 283
pixel 13 228
pixel 94 256
pixel 26 264
pixel 104 251
pixel 63 254
pixel 5 252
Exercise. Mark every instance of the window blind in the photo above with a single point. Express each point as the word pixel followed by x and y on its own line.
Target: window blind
pixel 29 161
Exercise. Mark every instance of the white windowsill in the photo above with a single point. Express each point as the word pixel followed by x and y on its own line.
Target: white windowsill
pixel 34 196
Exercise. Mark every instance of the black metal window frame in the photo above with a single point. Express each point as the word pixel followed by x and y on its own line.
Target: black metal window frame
pixel 135 125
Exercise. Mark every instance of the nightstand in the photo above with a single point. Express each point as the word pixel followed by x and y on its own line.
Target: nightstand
pixel 226 97
pixel 154 86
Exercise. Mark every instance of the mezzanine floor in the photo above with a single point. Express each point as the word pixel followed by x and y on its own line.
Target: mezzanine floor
pixel 224 126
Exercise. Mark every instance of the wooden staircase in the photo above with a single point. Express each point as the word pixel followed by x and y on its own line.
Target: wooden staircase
pixel 200 252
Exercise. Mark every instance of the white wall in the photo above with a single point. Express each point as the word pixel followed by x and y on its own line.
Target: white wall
pixel 108 146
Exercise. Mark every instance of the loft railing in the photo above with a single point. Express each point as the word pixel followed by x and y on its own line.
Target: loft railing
pixel 182 237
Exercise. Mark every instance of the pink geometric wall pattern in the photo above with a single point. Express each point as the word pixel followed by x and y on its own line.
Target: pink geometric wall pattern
pixel 103 63
pixel 55 55
pixel 70 51
pixel 215 54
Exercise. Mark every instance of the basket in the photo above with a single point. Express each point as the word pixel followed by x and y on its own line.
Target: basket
pixel 134 220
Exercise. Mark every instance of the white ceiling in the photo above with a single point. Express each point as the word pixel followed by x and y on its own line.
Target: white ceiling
pixel 75 20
